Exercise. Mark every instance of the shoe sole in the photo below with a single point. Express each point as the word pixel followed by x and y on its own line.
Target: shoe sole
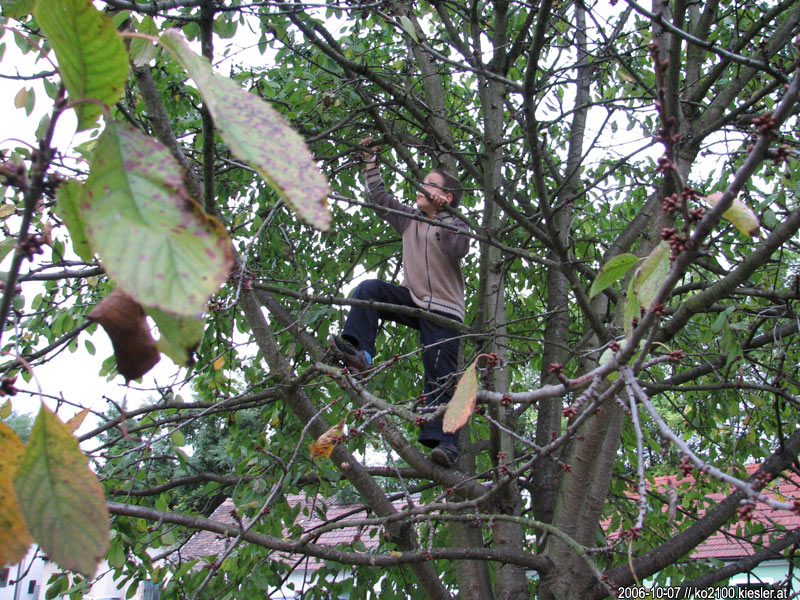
pixel 440 457
pixel 349 362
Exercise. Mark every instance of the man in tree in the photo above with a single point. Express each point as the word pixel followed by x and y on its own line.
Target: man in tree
pixel 433 281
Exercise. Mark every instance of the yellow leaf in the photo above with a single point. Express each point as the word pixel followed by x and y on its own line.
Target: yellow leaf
pixel 21 98
pixel 462 404
pixel 61 499
pixel 75 422
pixel 219 363
pixel 14 536
pixel 5 410
pixel 744 219
pixel 6 210
pixel 325 443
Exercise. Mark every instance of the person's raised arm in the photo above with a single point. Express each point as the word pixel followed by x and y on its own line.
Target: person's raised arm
pixel 376 190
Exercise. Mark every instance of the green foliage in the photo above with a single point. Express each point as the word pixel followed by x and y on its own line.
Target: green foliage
pixel 92 60
pixel 559 160
pixel 67 209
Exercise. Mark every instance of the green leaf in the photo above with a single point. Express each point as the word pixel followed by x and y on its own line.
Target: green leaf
pixel 259 135
pixel 631 310
pixel 14 536
pixel 91 56
pixel 180 336
pixel 6 246
pixel 721 321
pixel 611 272
pixel 408 27
pixel 462 404
pixel 116 554
pixel 143 51
pixel 178 438
pixel 15 9
pixel 62 500
pixel 5 410
pixel 154 241
pixel 67 198
pixel 606 357
pixel 651 274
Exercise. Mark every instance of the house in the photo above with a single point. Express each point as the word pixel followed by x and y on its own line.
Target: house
pixel 725 546
pixel 208 545
pixel 29 579
pixel 729 546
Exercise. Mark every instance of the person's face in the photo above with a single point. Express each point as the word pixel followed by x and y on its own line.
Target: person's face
pixel 433 184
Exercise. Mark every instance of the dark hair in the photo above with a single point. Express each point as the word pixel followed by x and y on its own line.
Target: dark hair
pixel 451 185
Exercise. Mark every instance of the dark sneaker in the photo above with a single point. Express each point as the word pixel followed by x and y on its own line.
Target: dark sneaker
pixel 445 454
pixel 354 359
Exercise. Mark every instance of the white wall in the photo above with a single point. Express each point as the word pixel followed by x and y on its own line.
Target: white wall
pixel 32 580
pixel 40 572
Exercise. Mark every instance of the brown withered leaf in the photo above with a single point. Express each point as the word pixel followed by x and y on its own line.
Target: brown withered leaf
pixel 76 421
pixel 124 321
pixel 462 404
pixel 325 443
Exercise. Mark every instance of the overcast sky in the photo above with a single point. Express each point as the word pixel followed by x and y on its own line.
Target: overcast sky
pixel 71 376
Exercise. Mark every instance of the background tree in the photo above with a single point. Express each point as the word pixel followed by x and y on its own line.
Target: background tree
pixel 623 316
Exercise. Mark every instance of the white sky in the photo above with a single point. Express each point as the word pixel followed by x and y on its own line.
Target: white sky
pixel 73 376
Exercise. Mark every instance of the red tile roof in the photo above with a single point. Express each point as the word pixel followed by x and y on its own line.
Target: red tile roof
pixel 209 544
pixel 726 544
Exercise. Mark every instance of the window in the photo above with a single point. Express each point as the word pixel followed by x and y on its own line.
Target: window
pixel 151 591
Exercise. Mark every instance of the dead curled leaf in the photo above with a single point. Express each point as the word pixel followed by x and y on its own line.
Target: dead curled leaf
pixel 124 321
pixel 462 404
pixel 75 422
pixel 325 443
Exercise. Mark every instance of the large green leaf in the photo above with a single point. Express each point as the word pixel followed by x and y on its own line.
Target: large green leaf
pixel 67 198
pixel 154 241
pixel 91 56
pixel 62 500
pixel 259 135
pixel 14 536
pixel 651 274
pixel 611 272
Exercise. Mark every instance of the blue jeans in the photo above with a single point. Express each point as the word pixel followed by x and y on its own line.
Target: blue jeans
pixel 439 347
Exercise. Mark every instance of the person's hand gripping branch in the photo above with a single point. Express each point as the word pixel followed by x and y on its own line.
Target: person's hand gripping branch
pixel 369 154
pixel 437 197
